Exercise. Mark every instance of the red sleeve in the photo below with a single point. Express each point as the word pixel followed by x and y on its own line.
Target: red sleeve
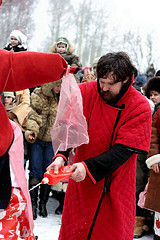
pixel 28 69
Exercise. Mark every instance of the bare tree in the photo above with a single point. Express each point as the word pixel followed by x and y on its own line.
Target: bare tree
pixel 133 45
pixel 16 14
pixel 91 31
pixel 60 20
pixel 149 44
pixel 85 24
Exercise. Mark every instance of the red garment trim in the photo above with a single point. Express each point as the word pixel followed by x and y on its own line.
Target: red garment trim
pixel 89 174
pixel 60 155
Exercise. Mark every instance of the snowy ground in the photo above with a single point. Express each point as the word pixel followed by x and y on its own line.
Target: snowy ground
pixel 48 228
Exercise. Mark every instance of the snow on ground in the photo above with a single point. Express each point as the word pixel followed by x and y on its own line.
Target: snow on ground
pixel 48 228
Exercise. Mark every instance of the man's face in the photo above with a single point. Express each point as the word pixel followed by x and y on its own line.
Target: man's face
pixel 108 88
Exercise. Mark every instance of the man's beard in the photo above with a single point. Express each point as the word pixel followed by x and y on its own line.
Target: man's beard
pixel 108 96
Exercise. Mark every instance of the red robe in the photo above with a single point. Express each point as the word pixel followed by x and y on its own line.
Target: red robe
pixel 25 70
pixel 116 213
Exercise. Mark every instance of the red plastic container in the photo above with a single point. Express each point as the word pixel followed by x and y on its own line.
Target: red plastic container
pixel 52 178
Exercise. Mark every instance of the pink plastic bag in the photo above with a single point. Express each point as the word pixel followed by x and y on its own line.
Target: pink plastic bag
pixel 70 127
pixel 142 197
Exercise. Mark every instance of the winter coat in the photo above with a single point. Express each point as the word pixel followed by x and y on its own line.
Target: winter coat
pixel 141 80
pixel 153 194
pixel 106 209
pixel 16 73
pixel 143 172
pixel 155 134
pixel 18 48
pixel 21 108
pixel 150 73
pixel 44 109
pixel 70 58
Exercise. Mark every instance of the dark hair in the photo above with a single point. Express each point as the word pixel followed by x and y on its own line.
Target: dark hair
pixel 119 63
pixel 157 73
pixel 153 84
pixel 135 72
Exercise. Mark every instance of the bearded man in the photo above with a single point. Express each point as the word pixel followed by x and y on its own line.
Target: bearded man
pixel 100 198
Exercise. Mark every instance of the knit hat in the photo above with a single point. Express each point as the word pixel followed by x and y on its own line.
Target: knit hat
pixel 153 84
pixel 63 40
pixel 19 36
pixel 9 94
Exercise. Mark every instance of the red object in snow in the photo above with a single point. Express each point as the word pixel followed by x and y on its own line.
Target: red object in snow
pixel 0 2
pixel 50 177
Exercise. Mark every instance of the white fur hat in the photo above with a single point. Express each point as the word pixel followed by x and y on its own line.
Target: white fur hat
pixel 9 94
pixel 152 160
pixel 19 36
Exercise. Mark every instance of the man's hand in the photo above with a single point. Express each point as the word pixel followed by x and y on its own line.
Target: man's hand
pixel 79 172
pixel 56 164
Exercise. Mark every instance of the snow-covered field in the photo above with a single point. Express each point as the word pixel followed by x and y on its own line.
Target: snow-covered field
pixel 48 228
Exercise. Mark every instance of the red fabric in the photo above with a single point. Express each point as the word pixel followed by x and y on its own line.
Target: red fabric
pixel 116 215
pixel 24 70
pixel 14 224
pixel 0 2
pixel 72 69
pixel 28 69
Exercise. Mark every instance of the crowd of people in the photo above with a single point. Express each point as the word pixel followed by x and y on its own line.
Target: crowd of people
pixel 121 108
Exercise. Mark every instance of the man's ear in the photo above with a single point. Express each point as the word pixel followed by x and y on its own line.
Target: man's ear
pixel 126 80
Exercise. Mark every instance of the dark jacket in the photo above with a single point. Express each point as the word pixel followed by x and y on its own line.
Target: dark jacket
pixel 18 48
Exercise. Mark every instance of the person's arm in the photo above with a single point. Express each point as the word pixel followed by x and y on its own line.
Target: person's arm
pixel 23 70
pixel 33 124
pixel 64 154
pixel 34 121
pixel 75 61
pixel 106 163
pixel 22 108
pixel 97 167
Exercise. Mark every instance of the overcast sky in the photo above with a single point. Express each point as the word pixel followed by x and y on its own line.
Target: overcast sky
pixel 140 16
